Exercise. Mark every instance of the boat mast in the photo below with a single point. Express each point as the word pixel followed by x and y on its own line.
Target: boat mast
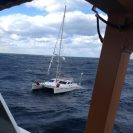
pixel 54 52
pixel 60 46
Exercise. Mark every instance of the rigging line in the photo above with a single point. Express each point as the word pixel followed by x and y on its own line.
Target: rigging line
pixel 54 54
pixel 116 26
pixel 60 46
pixel 98 31
pixel 98 27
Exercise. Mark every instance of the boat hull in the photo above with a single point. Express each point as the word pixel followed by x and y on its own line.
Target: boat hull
pixel 63 90
pixel 54 89
pixel 41 86
pixel 37 86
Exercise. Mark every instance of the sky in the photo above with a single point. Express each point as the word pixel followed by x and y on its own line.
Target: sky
pixel 32 28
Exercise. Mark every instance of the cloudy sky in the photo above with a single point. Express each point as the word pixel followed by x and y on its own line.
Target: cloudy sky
pixel 32 28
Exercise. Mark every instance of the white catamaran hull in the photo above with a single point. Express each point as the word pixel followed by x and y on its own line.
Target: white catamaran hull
pixel 57 90
pixel 37 86
pixel 54 88
pixel 63 90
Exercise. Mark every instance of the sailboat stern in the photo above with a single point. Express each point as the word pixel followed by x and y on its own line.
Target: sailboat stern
pixel 37 86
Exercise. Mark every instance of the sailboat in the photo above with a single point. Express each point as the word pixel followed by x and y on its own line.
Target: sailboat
pixel 58 84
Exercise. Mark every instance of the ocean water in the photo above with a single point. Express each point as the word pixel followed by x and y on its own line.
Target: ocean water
pixel 41 112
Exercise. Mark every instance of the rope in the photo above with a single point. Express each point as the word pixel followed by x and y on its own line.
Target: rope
pixel 118 27
pixel 98 31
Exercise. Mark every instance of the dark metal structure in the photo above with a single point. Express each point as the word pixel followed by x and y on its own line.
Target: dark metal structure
pixel 113 6
pixel 9 3
pixel 115 54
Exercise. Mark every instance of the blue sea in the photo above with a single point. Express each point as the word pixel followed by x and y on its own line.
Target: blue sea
pixel 41 112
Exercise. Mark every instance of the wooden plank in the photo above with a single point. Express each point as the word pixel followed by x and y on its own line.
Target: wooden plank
pixel 111 71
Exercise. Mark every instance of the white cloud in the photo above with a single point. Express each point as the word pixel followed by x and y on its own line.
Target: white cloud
pixel 58 5
pixel 37 34
pixel 14 37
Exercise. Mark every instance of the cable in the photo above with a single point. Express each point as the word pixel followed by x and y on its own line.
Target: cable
pixel 119 27
pixel 98 27
pixel 116 26
pixel 98 31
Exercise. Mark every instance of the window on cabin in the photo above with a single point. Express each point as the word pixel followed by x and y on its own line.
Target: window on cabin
pixel 62 82
pixel 51 80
